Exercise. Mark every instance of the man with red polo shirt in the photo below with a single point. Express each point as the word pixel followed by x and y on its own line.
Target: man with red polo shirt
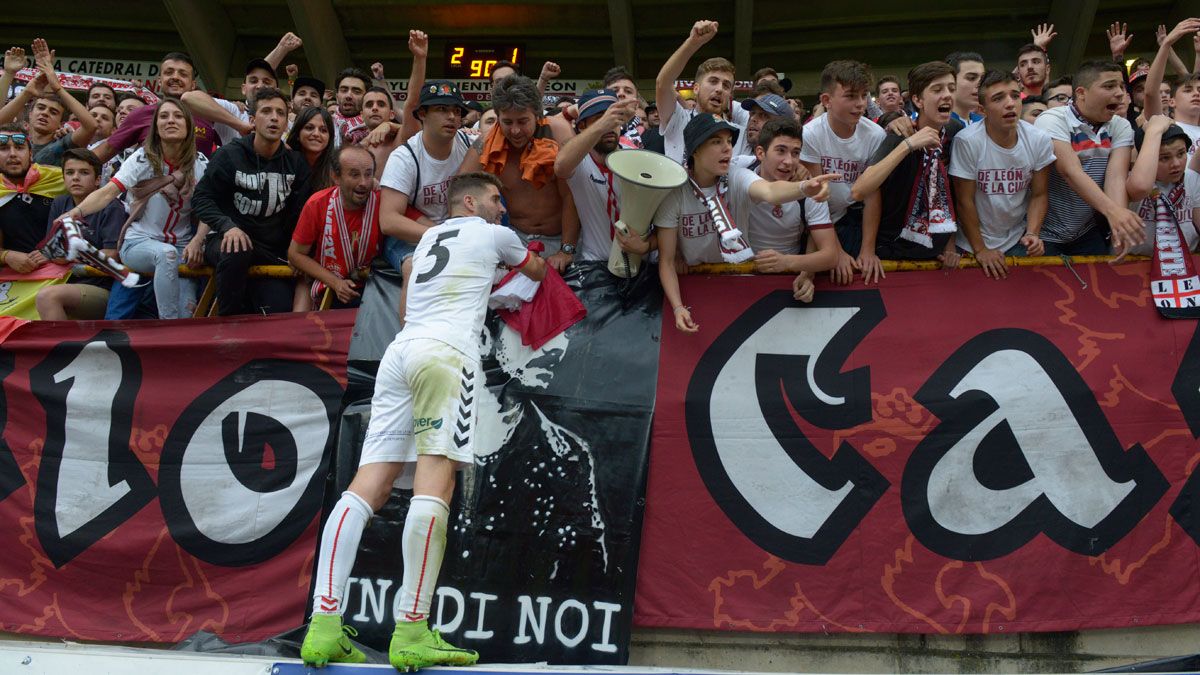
pixel 344 221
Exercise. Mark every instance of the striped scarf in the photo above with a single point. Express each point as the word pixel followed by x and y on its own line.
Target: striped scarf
pixel 342 252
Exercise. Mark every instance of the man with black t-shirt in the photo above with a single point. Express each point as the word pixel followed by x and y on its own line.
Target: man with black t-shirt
pixel 26 193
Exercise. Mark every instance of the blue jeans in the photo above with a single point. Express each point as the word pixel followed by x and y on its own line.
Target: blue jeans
pixel 396 250
pixel 176 297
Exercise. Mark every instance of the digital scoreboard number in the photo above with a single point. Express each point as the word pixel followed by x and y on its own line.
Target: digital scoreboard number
pixel 475 61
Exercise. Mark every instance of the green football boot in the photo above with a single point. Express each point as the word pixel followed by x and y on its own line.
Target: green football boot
pixel 414 646
pixel 326 642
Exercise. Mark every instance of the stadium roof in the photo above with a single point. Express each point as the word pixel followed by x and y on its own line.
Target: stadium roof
pixel 585 37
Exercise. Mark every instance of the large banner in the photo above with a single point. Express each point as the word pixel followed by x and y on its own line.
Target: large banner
pixel 165 477
pixel 943 453
pixel 545 527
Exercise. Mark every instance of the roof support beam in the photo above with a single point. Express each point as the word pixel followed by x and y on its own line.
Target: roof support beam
pixel 743 32
pixel 324 43
pixel 620 24
pixel 208 35
pixel 1073 20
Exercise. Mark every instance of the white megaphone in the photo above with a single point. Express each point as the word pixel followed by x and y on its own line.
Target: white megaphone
pixel 646 178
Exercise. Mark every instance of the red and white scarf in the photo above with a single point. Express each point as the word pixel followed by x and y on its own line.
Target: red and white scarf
pixel 343 252
pixel 734 247
pixel 930 209
pixel 1173 278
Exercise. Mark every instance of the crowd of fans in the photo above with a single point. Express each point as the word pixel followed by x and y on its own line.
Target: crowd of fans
pixel 959 158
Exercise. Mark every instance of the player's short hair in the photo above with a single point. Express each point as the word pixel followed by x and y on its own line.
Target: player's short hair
pixel 1065 79
pixel 1190 78
pixel 101 85
pixel 616 74
pixel 470 183
pixel 356 73
pixel 956 59
pixel 850 74
pixel 516 92
pixel 884 80
pixel 376 89
pixel 335 162
pixel 506 64
pixel 768 87
pixel 993 77
pixel 715 65
pixel 1025 49
pixel 920 77
pixel 1090 71
pixel 180 56
pixel 83 155
pixel 264 94
pixel 779 126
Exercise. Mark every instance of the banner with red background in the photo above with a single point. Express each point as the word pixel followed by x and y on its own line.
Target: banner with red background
pixel 166 477
pixel 943 453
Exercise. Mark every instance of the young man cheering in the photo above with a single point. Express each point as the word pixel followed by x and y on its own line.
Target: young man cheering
pixel 1000 170
pixel 713 88
pixel 842 141
pixel 1092 147
pixel 908 210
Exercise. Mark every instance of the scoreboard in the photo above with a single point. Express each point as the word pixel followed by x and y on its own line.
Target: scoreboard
pixel 475 61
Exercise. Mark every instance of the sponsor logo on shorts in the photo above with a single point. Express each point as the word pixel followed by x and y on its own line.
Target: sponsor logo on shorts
pixel 425 424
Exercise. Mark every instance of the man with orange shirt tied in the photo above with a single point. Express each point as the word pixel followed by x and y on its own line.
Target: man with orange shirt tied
pixel 713 88
pixel 521 150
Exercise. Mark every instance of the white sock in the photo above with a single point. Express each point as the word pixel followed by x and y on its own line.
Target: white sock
pixel 339 545
pixel 424 545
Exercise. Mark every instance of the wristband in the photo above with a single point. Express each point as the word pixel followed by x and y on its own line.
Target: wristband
pixel 910 147
pixel 3 257
pixel 681 307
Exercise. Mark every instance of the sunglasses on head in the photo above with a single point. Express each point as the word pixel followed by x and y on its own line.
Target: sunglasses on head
pixel 16 139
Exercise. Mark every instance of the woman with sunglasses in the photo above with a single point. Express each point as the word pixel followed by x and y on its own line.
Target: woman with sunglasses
pixel 158 180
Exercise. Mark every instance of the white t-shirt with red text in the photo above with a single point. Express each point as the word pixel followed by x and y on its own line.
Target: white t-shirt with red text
pixel 401 173
pixel 697 235
pixel 847 156
pixel 1002 178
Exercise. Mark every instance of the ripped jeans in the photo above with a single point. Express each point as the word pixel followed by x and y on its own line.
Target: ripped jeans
pixel 176 298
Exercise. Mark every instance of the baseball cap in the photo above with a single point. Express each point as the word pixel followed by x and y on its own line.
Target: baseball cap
pixel 772 104
pixel 701 128
pixel 255 64
pixel 1140 74
pixel 1174 131
pixel 305 81
pixel 441 92
pixel 595 102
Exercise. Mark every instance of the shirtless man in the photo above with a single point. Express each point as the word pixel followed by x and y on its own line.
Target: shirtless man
pixel 540 209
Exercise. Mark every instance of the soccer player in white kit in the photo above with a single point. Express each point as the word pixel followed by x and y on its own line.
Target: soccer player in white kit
pixel 422 426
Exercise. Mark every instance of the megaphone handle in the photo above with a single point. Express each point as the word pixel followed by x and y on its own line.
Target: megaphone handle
pixel 621 227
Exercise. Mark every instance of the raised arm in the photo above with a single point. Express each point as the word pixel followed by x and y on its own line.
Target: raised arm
pixel 1158 68
pixel 1176 62
pixel 1140 182
pixel 573 151
pixel 14 60
pixel 289 43
pixel 44 58
pixel 205 106
pixel 664 84
pixel 418 44
pixel 550 70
